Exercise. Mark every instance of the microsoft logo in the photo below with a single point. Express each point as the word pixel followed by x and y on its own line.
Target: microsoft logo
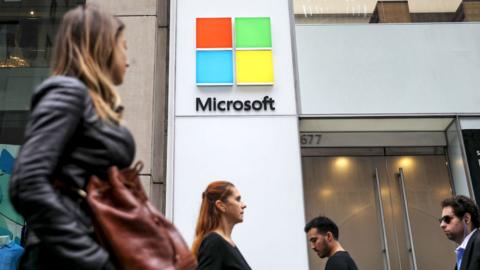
pixel 250 50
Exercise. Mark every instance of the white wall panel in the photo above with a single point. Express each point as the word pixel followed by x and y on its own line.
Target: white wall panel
pixel 260 155
pixel 389 68
pixel 470 123
pixel 257 150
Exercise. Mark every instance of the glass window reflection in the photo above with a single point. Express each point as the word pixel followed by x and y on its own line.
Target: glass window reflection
pixel 386 11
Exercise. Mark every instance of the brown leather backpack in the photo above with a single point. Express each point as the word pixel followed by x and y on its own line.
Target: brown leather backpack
pixel 136 234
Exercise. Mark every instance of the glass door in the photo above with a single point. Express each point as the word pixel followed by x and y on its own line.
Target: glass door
pixel 342 188
pixel 386 208
pixel 417 186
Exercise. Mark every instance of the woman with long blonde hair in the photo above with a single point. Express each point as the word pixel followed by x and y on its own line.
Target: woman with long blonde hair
pixel 74 131
pixel 221 209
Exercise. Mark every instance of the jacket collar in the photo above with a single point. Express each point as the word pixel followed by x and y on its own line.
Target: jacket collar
pixel 468 251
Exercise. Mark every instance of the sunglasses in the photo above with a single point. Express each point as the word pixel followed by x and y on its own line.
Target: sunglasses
pixel 446 219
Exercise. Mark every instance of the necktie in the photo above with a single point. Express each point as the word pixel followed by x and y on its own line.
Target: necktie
pixel 459 257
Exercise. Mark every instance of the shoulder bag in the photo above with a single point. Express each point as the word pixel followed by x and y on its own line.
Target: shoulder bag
pixel 136 234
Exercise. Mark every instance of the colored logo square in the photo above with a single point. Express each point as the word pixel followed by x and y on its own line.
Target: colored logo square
pixel 253 33
pixel 215 67
pixel 254 67
pixel 214 33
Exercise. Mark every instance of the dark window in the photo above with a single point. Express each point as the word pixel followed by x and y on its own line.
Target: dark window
pixel 27 32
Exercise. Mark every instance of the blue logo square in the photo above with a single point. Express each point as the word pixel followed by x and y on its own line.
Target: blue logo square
pixel 214 67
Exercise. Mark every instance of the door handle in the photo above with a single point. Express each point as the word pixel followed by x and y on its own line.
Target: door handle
pixel 411 248
pixel 378 197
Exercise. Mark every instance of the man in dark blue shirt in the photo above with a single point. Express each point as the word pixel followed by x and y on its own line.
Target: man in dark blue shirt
pixel 322 234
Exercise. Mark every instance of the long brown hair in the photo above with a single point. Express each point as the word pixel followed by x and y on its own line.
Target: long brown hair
pixel 85 47
pixel 209 217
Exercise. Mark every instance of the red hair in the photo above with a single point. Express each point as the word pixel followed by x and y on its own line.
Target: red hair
pixel 209 216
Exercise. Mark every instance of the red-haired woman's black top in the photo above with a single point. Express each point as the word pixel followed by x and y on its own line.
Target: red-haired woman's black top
pixel 216 253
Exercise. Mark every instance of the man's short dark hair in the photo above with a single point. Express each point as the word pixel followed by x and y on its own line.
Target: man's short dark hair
pixel 323 225
pixel 462 205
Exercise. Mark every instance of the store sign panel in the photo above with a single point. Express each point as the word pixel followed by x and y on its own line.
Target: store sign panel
pixel 234 54
pixel 240 55
pixel 232 60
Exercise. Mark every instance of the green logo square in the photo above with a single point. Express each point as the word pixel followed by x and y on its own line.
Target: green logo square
pixel 253 33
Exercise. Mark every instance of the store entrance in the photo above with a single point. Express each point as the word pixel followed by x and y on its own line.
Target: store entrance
pixel 386 208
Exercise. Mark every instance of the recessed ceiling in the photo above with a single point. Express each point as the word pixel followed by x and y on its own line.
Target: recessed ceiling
pixel 358 125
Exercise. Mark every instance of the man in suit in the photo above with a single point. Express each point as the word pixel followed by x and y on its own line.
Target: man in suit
pixel 460 222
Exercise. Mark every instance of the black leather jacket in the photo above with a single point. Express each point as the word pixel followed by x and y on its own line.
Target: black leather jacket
pixel 64 140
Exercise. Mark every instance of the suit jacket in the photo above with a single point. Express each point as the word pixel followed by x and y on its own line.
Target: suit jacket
pixel 471 256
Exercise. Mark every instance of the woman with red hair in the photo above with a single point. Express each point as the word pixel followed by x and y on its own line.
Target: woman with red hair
pixel 222 208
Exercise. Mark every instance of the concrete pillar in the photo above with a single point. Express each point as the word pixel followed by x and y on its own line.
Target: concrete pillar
pixel 144 88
